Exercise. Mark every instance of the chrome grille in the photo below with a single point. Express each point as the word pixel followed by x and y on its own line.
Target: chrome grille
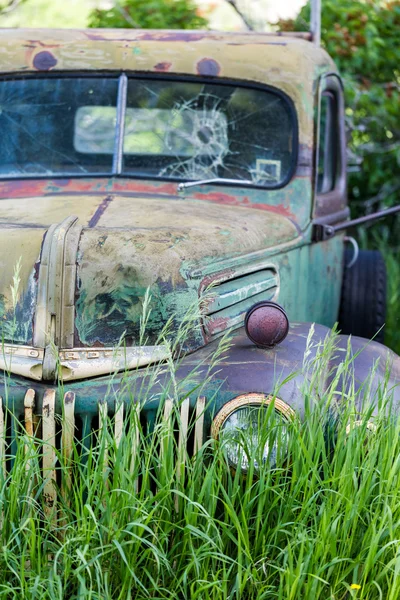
pixel 60 433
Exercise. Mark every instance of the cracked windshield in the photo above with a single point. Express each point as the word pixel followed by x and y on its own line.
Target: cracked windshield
pixel 172 130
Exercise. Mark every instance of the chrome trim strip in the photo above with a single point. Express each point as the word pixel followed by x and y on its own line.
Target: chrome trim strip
pixel 79 363
pixel 26 361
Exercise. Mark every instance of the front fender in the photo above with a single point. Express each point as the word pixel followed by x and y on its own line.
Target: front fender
pixel 312 361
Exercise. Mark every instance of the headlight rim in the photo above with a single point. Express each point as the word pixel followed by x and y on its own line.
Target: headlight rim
pixel 245 400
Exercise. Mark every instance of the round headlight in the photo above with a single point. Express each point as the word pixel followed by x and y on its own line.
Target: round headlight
pixel 253 431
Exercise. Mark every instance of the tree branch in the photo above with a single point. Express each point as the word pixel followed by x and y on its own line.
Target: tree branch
pixel 241 14
pixel 383 193
pixel 124 12
pixel 10 6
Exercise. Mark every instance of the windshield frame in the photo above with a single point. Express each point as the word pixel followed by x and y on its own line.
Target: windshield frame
pixel 123 77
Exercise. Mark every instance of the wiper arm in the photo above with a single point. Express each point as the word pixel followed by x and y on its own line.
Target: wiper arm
pixel 189 184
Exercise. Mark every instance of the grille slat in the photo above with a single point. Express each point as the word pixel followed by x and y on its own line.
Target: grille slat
pixel 199 425
pixel 119 423
pixel 67 439
pixel 135 444
pixel 182 440
pixel 168 427
pixel 29 405
pixel 49 454
pixel 103 426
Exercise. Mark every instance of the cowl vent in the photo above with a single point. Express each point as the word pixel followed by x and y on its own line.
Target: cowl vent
pixel 232 298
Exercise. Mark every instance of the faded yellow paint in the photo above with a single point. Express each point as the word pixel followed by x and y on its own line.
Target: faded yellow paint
pixel 18 245
pixel 47 210
pixel 290 64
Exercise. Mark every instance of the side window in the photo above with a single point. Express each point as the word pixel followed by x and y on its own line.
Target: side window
pixel 328 143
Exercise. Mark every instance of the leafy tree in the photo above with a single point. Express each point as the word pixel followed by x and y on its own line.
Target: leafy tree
pixel 363 39
pixel 149 14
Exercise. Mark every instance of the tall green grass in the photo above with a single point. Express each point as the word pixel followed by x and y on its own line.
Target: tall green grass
pixel 323 523
pixel 392 329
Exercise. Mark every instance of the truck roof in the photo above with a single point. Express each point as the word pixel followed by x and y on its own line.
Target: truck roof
pixel 241 55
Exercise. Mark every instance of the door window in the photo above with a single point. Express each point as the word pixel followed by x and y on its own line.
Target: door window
pixel 328 144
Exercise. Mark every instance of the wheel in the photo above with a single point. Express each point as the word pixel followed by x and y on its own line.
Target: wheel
pixel 363 302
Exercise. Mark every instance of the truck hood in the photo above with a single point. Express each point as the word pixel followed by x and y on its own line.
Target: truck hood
pixel 75 269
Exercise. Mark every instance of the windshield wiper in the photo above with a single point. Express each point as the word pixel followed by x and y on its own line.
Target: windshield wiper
pixel 189 184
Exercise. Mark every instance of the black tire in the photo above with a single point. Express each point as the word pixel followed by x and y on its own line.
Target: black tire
pixel 363 302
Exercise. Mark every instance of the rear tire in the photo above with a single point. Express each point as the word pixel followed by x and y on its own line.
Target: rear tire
pixel 363 302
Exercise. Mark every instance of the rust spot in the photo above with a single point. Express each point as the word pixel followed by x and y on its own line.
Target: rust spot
pixel 163 66
pixel 221 198
pixel 172 36
pixel 100 211
pixel 44 61
pixel 162 36
pixel 216 278
pixel 69 397
pixel 258 43
pixel 208 66
pixel 48 500
pixel 50 187
pixel 43 44
pixel 215 325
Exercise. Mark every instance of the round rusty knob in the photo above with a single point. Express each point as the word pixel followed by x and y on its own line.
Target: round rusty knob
pixel 266 324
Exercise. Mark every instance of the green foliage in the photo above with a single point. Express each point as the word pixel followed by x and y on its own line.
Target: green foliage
pixel 149 14
pixel 363 39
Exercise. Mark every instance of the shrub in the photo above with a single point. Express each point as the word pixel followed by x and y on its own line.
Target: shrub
pixel 362 37
pixel 149 14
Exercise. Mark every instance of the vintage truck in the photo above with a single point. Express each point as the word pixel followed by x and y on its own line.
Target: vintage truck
pixel 154 166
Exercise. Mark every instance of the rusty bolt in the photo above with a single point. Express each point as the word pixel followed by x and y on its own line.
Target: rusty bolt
pixel 266 324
